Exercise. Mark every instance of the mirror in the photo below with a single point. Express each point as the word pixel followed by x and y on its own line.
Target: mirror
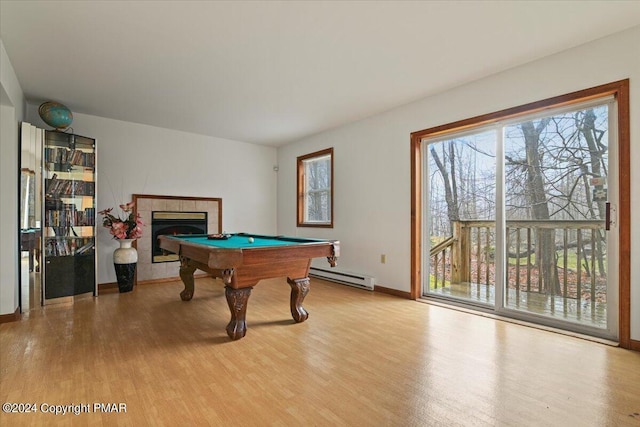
pixel 27 199
pixel 30 215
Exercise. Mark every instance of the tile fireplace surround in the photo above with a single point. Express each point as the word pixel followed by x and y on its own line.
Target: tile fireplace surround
pixel 146 270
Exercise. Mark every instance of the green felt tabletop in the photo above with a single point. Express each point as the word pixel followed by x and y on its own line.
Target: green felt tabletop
pixel 241 241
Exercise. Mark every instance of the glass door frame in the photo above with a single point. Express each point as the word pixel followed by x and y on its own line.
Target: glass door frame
pixel 500 304
pixel 620 90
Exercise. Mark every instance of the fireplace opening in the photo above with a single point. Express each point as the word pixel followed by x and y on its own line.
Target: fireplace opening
pixel 171 223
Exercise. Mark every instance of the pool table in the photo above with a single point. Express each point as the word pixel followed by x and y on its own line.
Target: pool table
pixel 241 260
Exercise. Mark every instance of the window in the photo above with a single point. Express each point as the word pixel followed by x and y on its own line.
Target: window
pixel 556 176
pixel 315 189
pixel 535 187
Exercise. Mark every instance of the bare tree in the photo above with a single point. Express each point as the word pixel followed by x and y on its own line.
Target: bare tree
pixel 449 182
pixel 545 239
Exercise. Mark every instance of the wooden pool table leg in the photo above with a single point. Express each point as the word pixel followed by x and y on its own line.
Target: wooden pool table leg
pixel 186 274
pixel 237 300
pixel 299 290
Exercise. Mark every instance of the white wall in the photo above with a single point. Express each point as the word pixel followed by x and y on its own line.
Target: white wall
pixel 141 159
pixel 372 157
pixel 11 112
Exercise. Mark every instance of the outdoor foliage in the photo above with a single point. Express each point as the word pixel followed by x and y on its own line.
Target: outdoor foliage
pixel 555 169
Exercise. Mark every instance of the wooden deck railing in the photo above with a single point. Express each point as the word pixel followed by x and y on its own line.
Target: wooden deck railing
pixel 440 261
pixel 565 258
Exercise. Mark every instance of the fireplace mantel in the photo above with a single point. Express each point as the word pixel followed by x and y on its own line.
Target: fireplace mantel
pixel 145 204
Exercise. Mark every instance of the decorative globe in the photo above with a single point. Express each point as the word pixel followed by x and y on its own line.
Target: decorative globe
pixel 55 114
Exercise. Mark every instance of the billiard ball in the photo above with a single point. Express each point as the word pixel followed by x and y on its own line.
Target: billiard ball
pixel 250 239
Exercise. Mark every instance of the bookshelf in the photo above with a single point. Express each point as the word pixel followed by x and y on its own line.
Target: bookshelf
pixel 69 213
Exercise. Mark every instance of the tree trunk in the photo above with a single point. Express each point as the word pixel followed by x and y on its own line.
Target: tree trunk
pixel 596 150
pixel 545 247
pixel 449 195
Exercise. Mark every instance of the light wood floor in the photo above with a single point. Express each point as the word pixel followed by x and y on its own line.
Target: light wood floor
pixel 362 359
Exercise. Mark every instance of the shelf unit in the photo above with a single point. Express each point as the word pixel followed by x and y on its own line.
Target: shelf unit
pixel 69 216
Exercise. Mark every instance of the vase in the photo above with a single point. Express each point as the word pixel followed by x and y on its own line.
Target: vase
pixel 125 259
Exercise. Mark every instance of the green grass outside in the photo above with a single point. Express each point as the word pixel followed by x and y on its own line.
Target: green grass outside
pixel 572 260
pixel 432 282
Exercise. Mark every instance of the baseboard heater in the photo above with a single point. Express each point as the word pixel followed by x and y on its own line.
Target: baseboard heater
pixel 346 278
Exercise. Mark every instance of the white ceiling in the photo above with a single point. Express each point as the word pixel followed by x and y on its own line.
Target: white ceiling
pixel 274 72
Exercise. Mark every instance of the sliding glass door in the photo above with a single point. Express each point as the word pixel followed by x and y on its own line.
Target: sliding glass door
pixel 461 217
pixel 519 217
